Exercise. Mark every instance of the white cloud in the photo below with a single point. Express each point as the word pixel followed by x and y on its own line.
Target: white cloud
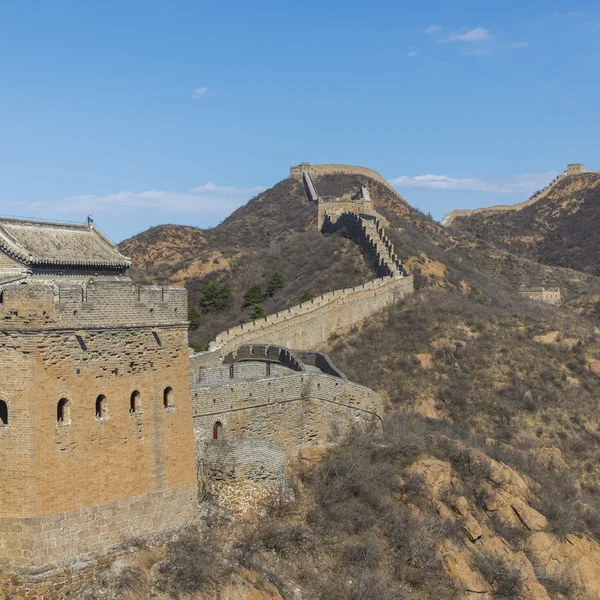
pixel 570 13
pixel 520 45
pixel 228 190
pixel 199 92
pixel 477 52
pixel 208 200
pixel 413 53
pixel 479 34
pixel 433 29
pixel 525 184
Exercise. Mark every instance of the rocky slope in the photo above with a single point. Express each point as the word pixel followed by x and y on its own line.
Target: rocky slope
pixel 559 230
pixel 485 482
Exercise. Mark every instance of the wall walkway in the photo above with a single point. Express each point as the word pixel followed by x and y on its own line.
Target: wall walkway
pixel 310 324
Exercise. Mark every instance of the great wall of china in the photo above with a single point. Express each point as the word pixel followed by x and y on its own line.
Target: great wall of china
pixel 572 170
pixel 134 419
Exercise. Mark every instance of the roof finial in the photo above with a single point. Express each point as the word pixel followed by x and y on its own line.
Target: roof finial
pixel 90 222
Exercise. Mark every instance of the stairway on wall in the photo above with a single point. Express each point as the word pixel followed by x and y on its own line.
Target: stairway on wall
pixel 375 233
pixel 310 187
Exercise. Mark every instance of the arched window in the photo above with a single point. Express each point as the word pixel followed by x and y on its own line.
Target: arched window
pixel 218 431
pixel 62 411
pixel 101 408
pixel 3 412
pixel 134 402
pixel 168 397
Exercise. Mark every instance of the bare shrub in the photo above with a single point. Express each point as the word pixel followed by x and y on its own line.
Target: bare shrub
pixel 506 578
pixel 192 564
pixel 133 580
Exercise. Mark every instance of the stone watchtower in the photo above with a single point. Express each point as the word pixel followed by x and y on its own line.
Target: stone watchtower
pixel 575 169
pixel 96 433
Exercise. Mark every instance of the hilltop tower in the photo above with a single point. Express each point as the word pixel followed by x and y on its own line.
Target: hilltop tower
pixel 96 433
pixel 575 169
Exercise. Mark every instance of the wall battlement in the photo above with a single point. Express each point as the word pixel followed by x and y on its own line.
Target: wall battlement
pixel 542 294
pixel 93 304
pixel 298 171
pixel 572 170
pixel 310 324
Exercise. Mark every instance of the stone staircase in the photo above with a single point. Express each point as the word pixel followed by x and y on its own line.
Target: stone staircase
pixel 365 228
pixel 368 232
pixel 310 187
pixel 384 248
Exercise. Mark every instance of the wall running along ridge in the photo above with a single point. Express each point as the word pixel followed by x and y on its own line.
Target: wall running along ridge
pixel 318 170
pixel 571 171
pixel 367 231
pixel 74 490
pixel 311 324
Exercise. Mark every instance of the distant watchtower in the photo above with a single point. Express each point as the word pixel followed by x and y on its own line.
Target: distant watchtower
pixel 575 169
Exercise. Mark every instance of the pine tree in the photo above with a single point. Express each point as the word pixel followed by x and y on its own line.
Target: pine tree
pixel 276 282
pixel 257 312
pixel 194 318
pixel 254 295
pixel 215 297
pixel 224 297
pixel 306 296
pixel 208 297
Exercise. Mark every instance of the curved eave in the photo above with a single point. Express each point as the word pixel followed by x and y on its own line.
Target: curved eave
pixel 78 264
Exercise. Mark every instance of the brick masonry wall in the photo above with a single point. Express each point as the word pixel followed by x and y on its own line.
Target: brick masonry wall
pixel 318 170
pixel 295 410
pixel 74 537
pixel 99 303
pixel 311 324
pixel 85 466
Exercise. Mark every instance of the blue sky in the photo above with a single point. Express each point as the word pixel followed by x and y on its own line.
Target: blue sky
pixel 142 113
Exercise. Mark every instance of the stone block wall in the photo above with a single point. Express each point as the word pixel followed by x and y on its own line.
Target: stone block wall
pixel 57 347
pixel 231 458
pixel 295 410
pixel 311 324
pixel 81 535
pixel 318 170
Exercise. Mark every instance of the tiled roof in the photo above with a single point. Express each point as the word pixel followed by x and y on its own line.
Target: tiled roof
pixel 39 243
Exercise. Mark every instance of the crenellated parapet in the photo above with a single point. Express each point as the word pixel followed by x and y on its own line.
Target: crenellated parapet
pixel 310 324
pixel 95 303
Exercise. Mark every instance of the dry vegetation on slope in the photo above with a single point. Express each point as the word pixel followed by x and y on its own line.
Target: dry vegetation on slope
pixel 560 230
pixel 485 482
pixel 276 231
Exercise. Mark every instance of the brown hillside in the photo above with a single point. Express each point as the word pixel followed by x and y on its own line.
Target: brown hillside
pixel 485 481
pixel 559 230
pixel 275 231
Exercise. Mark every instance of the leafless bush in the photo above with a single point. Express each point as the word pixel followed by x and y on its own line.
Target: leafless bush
pixel 506 578
pixel 192 564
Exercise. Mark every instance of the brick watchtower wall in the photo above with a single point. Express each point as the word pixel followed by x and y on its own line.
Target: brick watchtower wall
pixel 72 489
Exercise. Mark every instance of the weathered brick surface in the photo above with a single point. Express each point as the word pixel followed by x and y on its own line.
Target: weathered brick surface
pixel 83 485
pixel 294 411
